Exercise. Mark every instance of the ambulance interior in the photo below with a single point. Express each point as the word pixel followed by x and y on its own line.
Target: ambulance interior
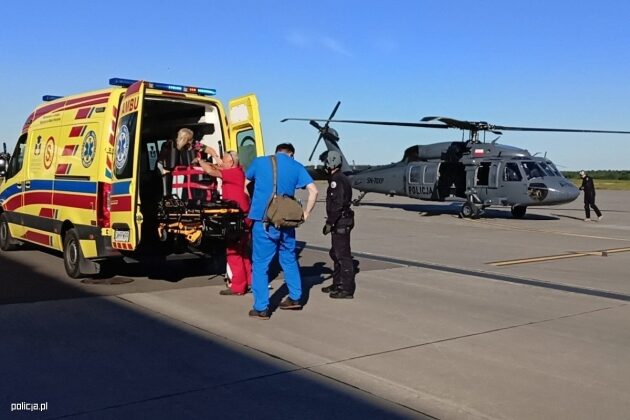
pixel 161 120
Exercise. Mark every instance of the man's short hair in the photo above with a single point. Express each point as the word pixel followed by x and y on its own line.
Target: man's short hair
pixel 285 147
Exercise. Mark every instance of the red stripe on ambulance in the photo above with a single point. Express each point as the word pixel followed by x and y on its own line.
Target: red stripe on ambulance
pixel 121 203
pixel 40 238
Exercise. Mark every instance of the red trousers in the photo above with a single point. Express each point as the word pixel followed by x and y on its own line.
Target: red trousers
pixel 239 264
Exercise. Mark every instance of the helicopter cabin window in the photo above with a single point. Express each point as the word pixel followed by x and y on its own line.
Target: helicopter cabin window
pixel 483 173
pixel 532 170
pixel 430 174
pixel 415 174
pixel 512 172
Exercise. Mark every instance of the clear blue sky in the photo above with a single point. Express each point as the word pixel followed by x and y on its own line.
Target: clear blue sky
pixel 562 64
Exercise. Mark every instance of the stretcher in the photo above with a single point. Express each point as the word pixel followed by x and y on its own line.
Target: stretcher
pixel 194 211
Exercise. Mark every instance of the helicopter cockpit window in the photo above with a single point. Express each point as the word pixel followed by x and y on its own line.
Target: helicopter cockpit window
pixel 532 170
pixel 549 169
pixel 512 172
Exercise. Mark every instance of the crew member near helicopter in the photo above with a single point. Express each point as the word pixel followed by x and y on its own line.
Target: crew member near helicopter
pixel 339 223
pixel 589 196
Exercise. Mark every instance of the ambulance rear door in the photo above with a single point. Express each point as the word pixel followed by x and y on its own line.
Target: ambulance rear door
pixel 246 129
pixel 125 212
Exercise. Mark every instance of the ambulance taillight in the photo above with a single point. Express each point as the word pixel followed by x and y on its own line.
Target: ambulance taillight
pixel 105 204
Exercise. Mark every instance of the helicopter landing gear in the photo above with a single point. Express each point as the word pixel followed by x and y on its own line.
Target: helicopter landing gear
pixel 357 201
pixel 470 210
pixel 518 211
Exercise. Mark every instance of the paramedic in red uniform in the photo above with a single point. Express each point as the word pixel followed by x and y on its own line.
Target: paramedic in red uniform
pixel 233 189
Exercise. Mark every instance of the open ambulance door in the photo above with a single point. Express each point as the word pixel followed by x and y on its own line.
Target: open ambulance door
pixel 245 129
pixel 125 212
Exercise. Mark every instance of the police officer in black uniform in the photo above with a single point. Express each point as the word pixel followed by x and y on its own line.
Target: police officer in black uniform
pixel 589 196
pixel 339 223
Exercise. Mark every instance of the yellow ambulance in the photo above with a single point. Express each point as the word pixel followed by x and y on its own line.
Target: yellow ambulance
pixel 78 178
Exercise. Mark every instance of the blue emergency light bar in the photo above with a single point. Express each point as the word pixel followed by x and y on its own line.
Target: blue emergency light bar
pixel 48 98
pixel 116 81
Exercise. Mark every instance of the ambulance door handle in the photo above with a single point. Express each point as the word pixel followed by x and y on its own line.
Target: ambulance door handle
pixel 27 185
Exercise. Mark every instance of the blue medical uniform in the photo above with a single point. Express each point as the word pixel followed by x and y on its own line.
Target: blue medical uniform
pixel 267 240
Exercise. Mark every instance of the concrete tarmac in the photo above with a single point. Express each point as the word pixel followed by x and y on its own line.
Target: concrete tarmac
pixel 436 329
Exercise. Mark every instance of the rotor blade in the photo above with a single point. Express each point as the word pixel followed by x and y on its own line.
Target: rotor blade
pixel 452 122
pixel 390 123
pixel 557 130
pixel 332 114
pixel 316 143
pixel 314 124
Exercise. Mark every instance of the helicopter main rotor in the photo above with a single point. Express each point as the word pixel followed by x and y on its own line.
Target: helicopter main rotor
pixel 473 127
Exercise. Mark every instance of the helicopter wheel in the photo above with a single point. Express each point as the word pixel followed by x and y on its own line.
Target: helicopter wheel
pixel 469 210
pixel 518 211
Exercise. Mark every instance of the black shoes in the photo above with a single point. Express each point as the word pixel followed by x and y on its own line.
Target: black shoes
pixel 341 294
pixel 330 288
pixel 259 314
pixel 289 303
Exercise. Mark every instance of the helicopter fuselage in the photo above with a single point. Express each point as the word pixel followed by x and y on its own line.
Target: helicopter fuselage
pixel 485 173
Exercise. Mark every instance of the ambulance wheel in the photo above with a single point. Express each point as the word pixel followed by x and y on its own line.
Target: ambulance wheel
pixel 7 243
pixel 72 255
pixel 518 211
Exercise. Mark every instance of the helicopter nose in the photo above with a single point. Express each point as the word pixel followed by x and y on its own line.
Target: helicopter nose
pixel 562 192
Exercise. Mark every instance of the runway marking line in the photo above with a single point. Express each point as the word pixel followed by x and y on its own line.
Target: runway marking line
pixel 571 254
pixel 502 225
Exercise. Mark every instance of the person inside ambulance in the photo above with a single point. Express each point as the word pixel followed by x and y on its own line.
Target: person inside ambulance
pixel 239 264
pixel 176 152
pixel 175 155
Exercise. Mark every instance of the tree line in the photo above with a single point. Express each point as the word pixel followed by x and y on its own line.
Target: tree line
pixel 600 174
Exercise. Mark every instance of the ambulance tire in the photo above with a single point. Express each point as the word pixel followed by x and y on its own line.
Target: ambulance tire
pixel 7 243
pixel 72 255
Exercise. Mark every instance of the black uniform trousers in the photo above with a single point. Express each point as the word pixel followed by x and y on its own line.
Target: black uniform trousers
pixel 343 271
pixel 589 202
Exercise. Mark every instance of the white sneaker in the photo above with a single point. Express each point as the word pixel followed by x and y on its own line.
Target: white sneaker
pixel 600 217
pixel 587 220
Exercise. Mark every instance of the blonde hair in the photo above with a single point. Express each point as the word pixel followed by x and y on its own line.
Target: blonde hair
pixel 184 136
pixel 234 156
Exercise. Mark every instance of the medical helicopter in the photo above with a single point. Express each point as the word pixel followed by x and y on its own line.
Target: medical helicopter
pixel 481 173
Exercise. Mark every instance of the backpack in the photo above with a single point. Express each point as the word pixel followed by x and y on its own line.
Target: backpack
pixel 282 211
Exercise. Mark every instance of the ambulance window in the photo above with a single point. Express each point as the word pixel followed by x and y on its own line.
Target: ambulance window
pixel 125 144
pixel 246 144
pixel 17 159
pixel 415 174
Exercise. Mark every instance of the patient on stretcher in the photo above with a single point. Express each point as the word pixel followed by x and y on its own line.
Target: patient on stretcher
pixel 180 178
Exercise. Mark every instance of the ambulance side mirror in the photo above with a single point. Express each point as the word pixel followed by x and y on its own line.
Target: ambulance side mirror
pixel 4 161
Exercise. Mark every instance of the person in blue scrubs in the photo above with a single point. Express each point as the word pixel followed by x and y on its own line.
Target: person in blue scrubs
pixel 267 240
